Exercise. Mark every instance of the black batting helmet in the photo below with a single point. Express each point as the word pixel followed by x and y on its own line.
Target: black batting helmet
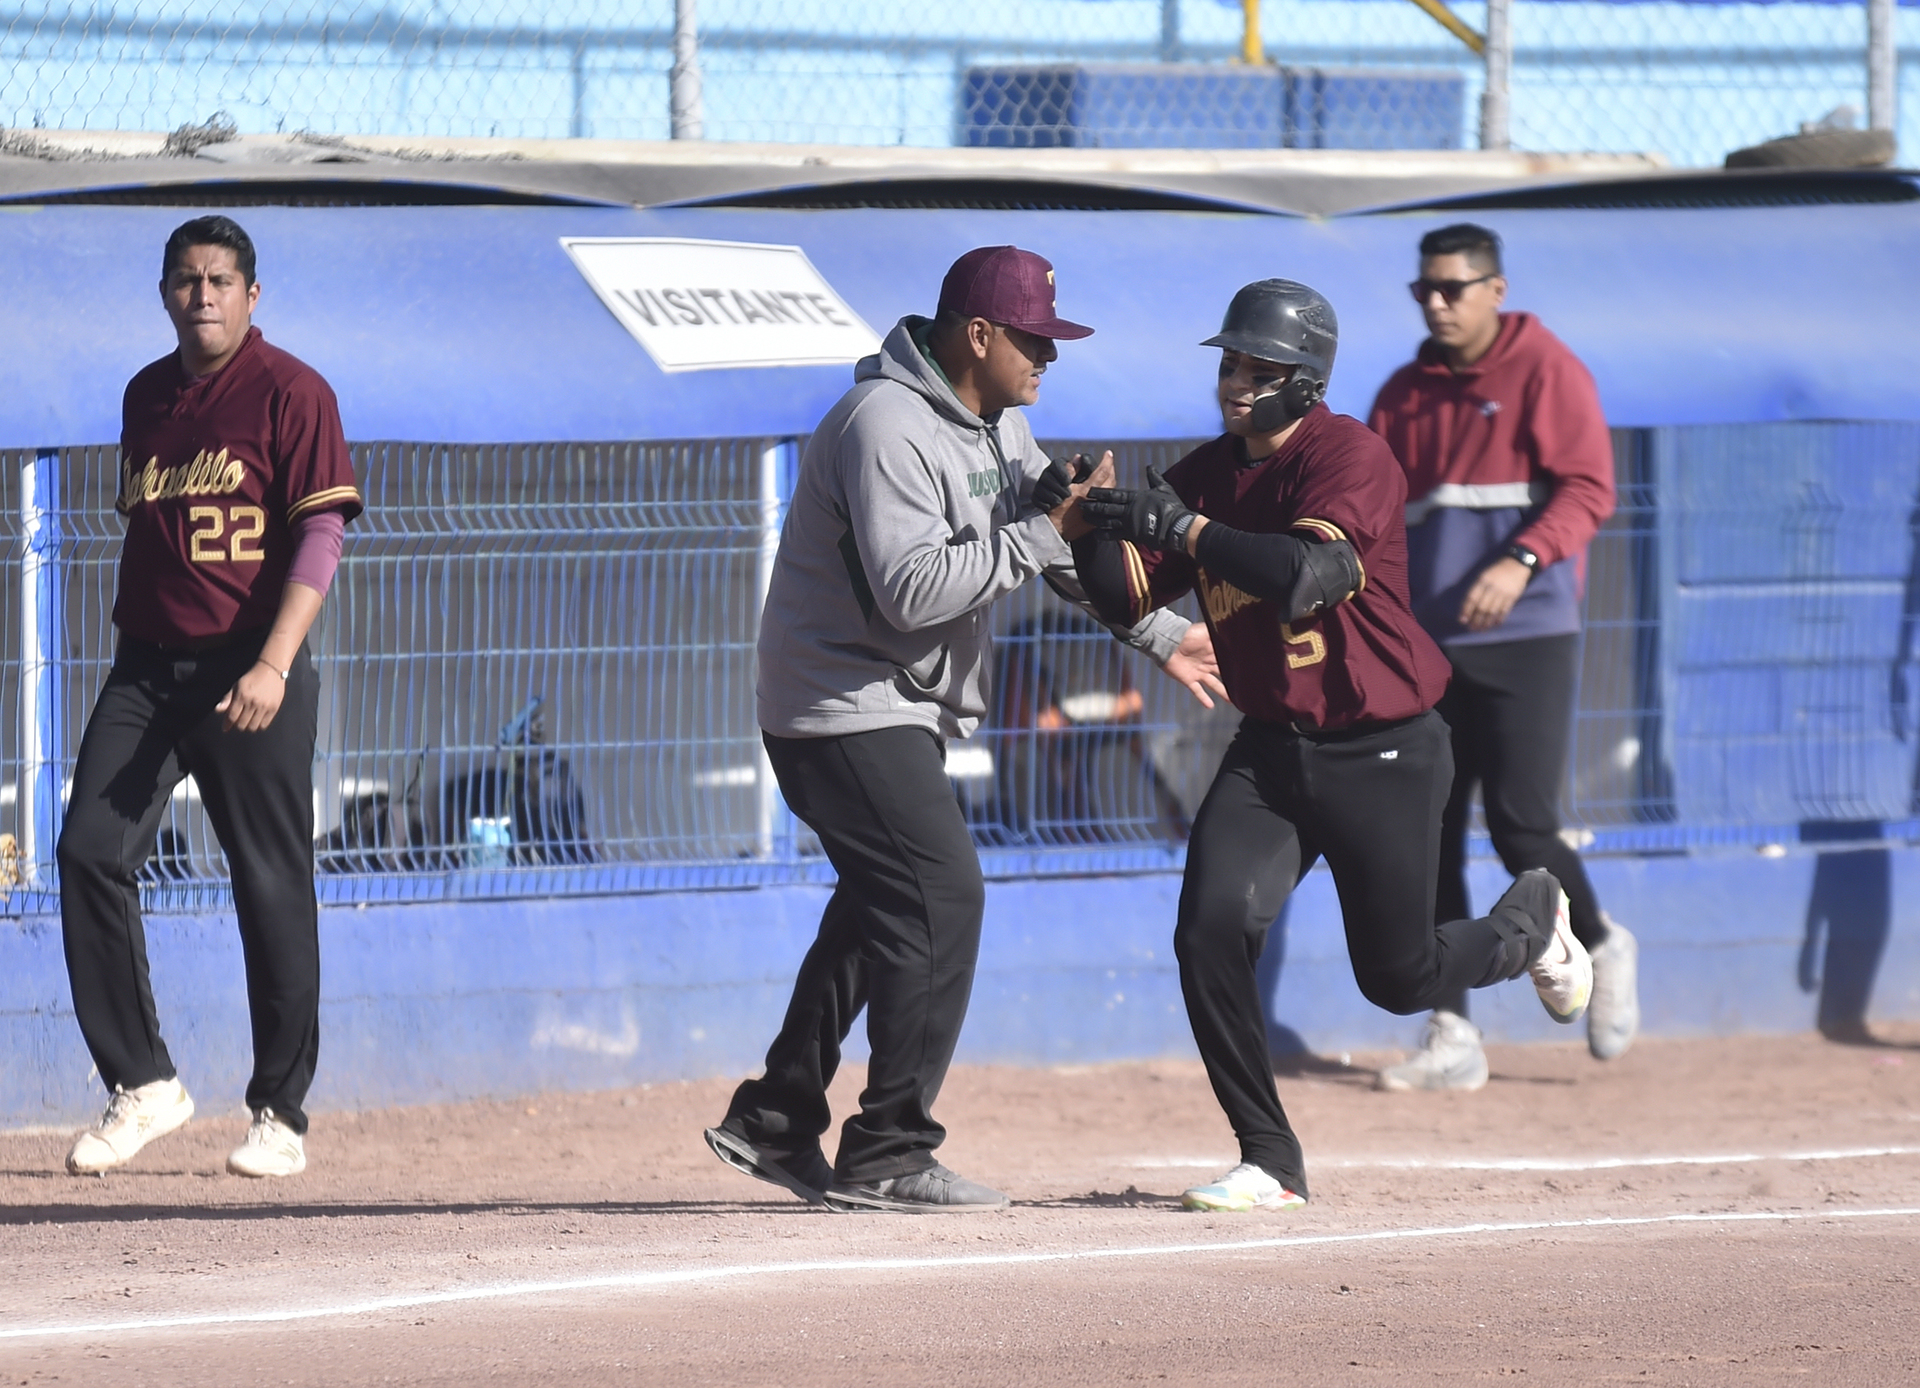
pixel 1283 321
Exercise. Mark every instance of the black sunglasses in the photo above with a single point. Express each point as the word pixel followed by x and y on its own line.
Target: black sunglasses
pixel 1450 290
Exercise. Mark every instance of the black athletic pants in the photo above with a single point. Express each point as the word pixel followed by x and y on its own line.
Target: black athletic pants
pixel 899 936
pixel 1510 707
pixel 153 724
pixel 1368 802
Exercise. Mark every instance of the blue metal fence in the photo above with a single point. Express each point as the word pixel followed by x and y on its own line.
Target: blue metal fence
pixel 537 667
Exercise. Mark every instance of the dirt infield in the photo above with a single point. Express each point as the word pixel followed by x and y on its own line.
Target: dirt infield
pixel 1700 1212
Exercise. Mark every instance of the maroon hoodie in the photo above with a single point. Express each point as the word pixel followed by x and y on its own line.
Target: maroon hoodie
pixel 1511 450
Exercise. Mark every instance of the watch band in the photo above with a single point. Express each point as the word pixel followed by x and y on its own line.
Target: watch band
pixel 1521 554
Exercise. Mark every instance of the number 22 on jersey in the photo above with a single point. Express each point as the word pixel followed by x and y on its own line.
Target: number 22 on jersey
pixel 223 535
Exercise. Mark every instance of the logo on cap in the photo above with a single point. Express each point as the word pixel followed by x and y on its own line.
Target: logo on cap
pixel 1006 285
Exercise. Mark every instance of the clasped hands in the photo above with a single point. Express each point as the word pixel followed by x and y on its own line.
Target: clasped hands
pixel 1153 516
pixel 1061 491
pixel 1080 497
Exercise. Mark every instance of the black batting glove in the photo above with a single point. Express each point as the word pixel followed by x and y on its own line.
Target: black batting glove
pixel 1152 516
pixel 1050 487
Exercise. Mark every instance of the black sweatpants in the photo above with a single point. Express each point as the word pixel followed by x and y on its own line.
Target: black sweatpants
pixel 900 937
pixel 1368 802
pixel 153 724
pixel 1510 707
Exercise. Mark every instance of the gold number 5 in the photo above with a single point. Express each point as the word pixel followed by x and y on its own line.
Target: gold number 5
pixel 1316 648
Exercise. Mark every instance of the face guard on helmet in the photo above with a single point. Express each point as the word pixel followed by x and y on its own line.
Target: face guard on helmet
pixel 1283 321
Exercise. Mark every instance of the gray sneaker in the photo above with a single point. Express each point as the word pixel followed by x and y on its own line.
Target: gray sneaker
pixel 1613 1017
pixel 806 1173
pixel 1450 1057
pixel 933 1191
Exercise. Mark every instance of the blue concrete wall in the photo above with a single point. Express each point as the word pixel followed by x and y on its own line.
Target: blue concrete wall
pixel 440 1002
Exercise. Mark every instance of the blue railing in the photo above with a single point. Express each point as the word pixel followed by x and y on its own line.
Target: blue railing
pixel 537 666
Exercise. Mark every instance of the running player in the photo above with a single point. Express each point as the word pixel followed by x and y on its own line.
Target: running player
pixel 236 489
pixel 922 498
pixel 1290 526
pixel 1509 473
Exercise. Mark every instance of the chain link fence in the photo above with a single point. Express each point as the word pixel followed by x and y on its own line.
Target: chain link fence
pixel 1689 80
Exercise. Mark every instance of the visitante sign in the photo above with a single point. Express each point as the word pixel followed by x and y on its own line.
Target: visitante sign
pixel 702 305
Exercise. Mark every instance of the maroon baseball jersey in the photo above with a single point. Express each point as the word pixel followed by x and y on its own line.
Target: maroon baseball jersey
pixel 213 473
pixel 1364 661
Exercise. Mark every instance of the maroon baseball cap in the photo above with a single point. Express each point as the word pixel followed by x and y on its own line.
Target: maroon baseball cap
pixel 1004 284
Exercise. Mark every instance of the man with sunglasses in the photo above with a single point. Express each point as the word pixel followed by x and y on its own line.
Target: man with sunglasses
pixel 921 499
pixel 1289 526
pixel 1509 474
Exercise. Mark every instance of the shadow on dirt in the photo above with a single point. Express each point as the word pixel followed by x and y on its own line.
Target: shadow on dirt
pixel 1299 1065
pixel 215 1214
pixel 1132 1198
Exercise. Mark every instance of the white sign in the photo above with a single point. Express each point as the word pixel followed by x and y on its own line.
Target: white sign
pixel 700 305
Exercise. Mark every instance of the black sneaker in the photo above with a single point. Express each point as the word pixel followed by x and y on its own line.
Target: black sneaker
pixel 933 1191
pixel 806 1173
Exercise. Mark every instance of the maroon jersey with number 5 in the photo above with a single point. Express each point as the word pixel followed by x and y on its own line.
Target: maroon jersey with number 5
pixel 213 473
pixel 1366 660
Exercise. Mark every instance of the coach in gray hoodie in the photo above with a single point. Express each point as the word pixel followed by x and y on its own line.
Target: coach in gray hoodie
pixel 922 498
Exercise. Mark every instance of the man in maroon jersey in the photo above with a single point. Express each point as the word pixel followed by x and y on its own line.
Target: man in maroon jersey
pixel 236 487
pixel 1290 525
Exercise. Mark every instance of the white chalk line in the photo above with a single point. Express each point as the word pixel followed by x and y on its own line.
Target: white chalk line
pixel 669 1277
pixel 1536 1163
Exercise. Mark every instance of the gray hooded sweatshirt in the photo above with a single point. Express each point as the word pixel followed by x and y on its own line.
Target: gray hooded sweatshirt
pixel 911 514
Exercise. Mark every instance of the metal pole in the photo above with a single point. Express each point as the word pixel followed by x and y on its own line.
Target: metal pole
pixel 1883 69
pixel 1454 25
pixel 688 113
pixel 775 470
pixel 577 127
pixel 1169 31
pixel 1251 50
pixel 37 793
pixel 1495 108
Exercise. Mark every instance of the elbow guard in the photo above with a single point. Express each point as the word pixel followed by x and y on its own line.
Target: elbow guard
pixel 1329 575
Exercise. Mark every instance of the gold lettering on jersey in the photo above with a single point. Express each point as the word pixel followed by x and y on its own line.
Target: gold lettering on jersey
pixel 249 524
pixel 204 543
pixel 209 474
pixel 1222 600
pixel 211 543
pixel 1316 648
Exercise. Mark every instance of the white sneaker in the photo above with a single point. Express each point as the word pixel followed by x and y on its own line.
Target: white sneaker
pixel 270 1148
pixel 134 1117
pixel 1450 1057
pixel 1564 975
pixel 1245 1187
pixel 1613 1017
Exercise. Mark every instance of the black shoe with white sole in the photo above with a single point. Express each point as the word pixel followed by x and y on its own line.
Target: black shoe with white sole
pixel 806 1173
